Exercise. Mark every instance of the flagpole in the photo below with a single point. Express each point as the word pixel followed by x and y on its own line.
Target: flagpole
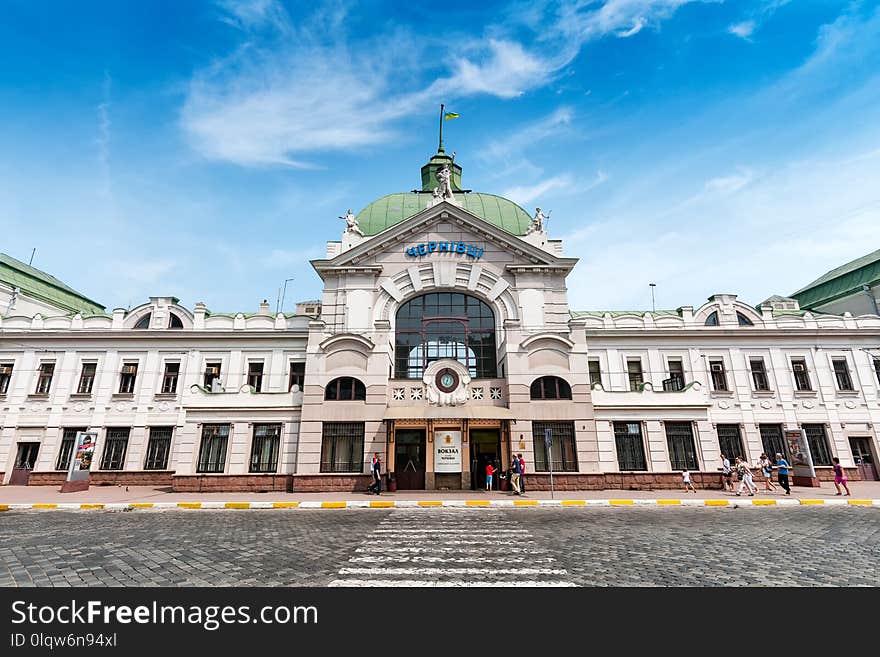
pixel 440 149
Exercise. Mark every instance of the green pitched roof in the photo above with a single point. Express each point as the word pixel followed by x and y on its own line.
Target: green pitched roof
pixel 40 285
pixel 395 208
pixel 841 282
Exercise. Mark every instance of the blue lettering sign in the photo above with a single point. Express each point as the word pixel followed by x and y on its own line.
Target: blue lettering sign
pixel 426 248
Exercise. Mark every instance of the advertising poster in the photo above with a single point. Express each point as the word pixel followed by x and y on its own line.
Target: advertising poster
pixel 799 448
pixel 447 451
pixel 84 451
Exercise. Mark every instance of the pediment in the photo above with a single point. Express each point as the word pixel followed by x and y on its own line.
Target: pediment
pixel 471 235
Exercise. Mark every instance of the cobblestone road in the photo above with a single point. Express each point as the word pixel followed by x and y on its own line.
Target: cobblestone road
pixel 449 546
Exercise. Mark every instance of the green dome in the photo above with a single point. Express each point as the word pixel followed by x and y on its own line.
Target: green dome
pixel 394 208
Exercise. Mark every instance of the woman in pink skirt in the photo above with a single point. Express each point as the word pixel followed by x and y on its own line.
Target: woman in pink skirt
pixel 839 477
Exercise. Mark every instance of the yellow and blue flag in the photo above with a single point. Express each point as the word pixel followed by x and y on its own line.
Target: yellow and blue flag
pixel 450 115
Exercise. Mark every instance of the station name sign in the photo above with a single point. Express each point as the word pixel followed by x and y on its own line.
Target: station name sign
pixel 426 248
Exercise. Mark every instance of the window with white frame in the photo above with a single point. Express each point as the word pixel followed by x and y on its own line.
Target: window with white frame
pixel 158 448
pixel 876 368
pixel 676 375
pixel 86 378
pixel 801 375
pixel 841 374
pixel 115 446
pixel 630 446
pixel 65 449
pixel 264 449
pixel 680 440
pixel 595 372
pixel 817 439
pixel 212 451
pixel 169 378
pixel 760 382
pixel 44 378
pixel 212 373
pixel 5 377
pixel 255 375
pixel 719 376
pixel 634 373
pixel 127 378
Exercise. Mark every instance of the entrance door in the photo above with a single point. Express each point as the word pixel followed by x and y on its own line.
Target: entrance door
pixel 25 460
pixel 861 451
pixel 485 448
pixel 409 459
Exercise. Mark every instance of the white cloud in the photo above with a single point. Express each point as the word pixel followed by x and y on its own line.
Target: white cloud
pixel 729 184
pixel 523 194
pixel 743 30
pixel 504 69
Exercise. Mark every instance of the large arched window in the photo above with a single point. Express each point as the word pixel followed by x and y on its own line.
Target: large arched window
pixel 445 325
pixel 550 387
pixel 144 322
pixel 345 389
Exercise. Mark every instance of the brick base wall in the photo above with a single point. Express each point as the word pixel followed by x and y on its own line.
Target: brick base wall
pixel 98 478
pixel 255 483
pixel 326 483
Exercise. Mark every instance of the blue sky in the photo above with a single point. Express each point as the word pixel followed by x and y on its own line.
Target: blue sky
pixel 206 149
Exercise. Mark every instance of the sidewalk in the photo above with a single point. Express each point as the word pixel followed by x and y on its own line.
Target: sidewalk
pixel 162 497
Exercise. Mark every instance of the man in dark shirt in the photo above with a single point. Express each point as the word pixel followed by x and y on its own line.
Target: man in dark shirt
pixel 377 475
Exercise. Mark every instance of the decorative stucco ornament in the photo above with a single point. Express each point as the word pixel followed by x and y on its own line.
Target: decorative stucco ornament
pixel 449 374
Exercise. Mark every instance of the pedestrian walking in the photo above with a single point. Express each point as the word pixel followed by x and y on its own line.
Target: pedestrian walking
pixel 726 474
pixel 515 472
pixel 522 474
pixel 376 471
pixel 782 468
pixel 839 476
pixel 686 479
pixel 745 477
pixel 489 472
pixel 766 467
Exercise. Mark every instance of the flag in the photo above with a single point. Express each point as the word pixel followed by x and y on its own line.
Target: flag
pixel 450 115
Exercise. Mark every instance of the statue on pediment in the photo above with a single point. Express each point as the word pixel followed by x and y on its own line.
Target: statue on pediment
pixel 537 225
pixel 351 224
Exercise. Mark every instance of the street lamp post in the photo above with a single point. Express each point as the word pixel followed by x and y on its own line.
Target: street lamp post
pixel 283 293
pixel 653 308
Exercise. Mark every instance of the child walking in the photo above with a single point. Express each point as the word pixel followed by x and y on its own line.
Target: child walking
pixel 489 472
pixel 686 479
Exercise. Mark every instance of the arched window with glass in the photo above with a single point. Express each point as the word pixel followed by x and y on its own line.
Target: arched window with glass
pixel 445 325
pixel 550 387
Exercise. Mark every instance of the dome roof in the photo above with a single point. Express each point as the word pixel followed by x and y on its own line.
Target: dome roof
pixel 394 208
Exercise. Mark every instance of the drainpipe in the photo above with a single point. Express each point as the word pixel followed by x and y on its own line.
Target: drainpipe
pixel 867 290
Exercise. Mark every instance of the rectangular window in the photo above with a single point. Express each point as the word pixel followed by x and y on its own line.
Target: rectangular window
pixel 297 376
pixel 841 374
pixel 127 378
pixel 630 447
pixel 65 450
pixel 212 452
pixel 595 372
pixel 158 448
pixel 680 439
pixel 876 370
pixel 759 374
pixel 264 451
pixel 730 441
pixel 634 371
pixel 772 440
pixel 169 378
pixel 719 376
pixel 255 376
pixel 817 439
pixel 801 376
pixel 676 375
pixel 114 448
pixel 5 377
pixel 342 447
pixel 44 379
pixel 563 449
pixel 87 379
pixel 212 373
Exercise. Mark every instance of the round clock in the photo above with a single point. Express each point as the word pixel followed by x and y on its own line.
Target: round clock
pixel 447 380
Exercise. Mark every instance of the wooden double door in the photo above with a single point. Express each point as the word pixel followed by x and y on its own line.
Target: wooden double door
pixel 409 459
pixel 864 459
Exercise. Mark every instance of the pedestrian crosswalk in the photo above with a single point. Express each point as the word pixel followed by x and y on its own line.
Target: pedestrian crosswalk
pixel 452 547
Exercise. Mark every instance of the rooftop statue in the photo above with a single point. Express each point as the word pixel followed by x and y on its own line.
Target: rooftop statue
pixel 351 224
pixel 444 175
pixel 537 225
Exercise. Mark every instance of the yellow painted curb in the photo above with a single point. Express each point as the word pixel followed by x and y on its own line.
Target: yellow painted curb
pixel 763 502
pixel 381 505
pixel 668 502
pixel 332 505
pixel 91 506
pixel 864 502
pixel 237 505
pixel 430 503
pixel 4 507
pixel 285 505
pixel 573 502
pixel 44 506
pixel 189 505
pixel 140 505
pixel 620 502
pixel 525 503
pixel 476 502
pixel 715 502
pixel 812 501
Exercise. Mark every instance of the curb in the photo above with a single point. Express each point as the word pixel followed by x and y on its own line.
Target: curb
pixel 400 504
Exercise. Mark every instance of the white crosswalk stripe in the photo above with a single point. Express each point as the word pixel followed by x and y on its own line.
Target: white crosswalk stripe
pixel 452 547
